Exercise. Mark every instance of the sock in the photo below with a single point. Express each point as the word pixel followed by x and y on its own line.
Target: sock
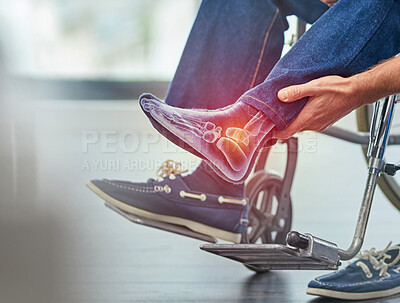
pixel 228 138
pixel 204 179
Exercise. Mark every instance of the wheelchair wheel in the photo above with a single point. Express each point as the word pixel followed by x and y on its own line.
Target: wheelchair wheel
pixel 270 216
pixel 389 185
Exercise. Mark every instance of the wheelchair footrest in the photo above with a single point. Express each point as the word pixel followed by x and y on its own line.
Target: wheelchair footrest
pixel 262 257
pixel 180 230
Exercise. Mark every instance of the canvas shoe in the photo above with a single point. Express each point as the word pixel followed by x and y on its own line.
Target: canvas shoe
pixel 170 200
pixel 374 274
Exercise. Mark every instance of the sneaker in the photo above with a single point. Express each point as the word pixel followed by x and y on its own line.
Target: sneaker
pixel 375 274
pixel 169 199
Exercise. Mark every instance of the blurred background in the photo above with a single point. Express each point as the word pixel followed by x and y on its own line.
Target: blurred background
pixel 70 75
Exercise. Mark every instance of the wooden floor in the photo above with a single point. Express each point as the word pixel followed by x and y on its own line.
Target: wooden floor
pixel 63 245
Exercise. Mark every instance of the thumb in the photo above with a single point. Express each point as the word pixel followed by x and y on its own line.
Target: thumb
pixel 296 92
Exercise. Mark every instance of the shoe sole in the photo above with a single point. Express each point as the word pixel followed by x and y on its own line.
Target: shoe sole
pixel 352 295
pixel 193 225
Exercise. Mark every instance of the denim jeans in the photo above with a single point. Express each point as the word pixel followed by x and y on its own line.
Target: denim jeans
pixel 232 53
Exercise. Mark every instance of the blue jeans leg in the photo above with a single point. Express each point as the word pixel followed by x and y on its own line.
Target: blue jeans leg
pixel 232 47
pixel 349 38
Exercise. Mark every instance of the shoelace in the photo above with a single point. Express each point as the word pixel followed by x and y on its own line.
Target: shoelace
pixel 170 167
pixel 377 259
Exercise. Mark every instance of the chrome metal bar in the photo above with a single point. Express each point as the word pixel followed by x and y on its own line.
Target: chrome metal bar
pixel 394 140
pixel 379 136
pixel 372 129
pixel 356 137
pixel 349 136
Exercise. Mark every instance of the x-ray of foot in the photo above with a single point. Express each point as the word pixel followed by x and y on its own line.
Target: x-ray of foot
pixel 228 138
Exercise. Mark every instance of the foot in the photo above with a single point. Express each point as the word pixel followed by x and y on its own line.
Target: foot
pixel 375 274
pixel 228 138
pixel 172 201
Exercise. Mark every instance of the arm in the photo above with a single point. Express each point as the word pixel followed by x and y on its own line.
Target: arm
pixel 333 97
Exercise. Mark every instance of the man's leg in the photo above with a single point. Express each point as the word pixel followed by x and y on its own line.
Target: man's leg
pixel 232 47
pixel 349 38
pixel 253 35
pixel 228 43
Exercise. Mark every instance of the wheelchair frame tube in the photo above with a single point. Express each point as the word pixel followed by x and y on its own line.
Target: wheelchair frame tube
pixel 359 138
pixel 349 136
pixel 379 136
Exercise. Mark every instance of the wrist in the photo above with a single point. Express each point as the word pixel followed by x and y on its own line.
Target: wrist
pixel 362 90
pixel 356 92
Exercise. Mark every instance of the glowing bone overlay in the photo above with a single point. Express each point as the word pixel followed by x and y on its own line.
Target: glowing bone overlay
pixel 228 137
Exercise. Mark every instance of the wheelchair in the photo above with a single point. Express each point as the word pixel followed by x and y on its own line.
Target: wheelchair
pixel 268 243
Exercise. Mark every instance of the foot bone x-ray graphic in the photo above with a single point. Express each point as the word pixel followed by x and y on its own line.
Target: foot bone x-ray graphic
pixel 203 128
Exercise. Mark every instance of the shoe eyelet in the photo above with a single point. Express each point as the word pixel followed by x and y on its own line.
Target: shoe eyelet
pixel 158 188
pixel 167 189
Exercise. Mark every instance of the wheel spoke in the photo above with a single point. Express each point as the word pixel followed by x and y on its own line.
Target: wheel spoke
pixel 266 212
pixel 266 238
pixel 261 217
pixel 266 203
pixel 261 226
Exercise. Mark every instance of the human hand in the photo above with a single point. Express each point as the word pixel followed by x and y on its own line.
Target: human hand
pixel 330 98
pixel 329 2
